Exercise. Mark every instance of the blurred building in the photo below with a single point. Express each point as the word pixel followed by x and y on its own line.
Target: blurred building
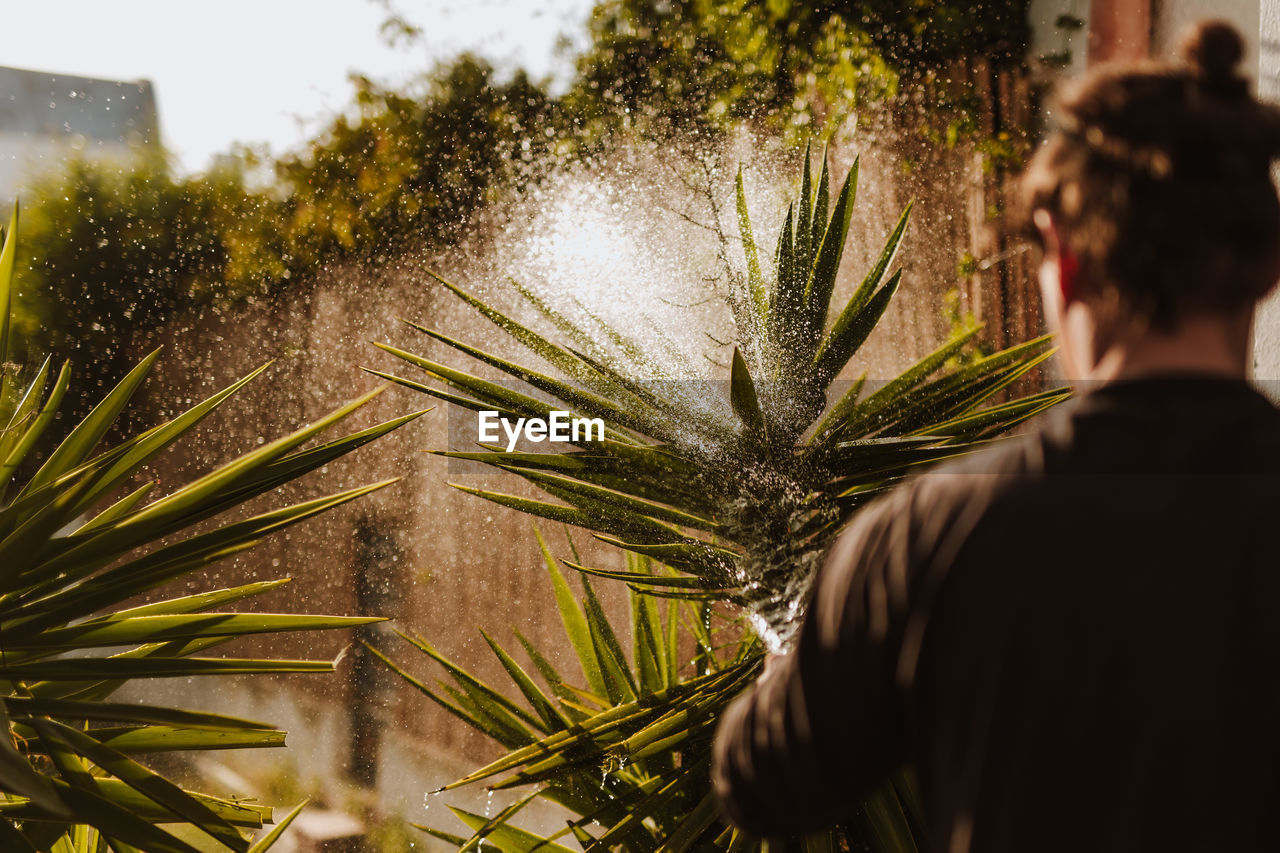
pixel 46 117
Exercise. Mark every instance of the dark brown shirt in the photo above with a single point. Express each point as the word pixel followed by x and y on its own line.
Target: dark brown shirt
pixel 1074 639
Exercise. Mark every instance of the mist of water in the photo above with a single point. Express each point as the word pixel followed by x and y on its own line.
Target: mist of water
pixel 637 254
pixel 636 261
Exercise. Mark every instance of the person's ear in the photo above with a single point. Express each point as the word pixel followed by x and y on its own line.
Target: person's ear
pixel 1068 274
pixel 1059 254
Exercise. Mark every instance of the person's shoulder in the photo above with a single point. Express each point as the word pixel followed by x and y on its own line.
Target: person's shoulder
pixel 935 507
pixel 977 476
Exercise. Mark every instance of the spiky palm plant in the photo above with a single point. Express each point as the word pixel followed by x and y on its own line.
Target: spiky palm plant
pixel 75 548
pixel 730 510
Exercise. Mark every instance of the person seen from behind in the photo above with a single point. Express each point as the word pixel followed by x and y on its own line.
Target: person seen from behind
pixel 1073 639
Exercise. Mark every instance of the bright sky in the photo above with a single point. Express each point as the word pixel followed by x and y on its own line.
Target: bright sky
pixel 270 70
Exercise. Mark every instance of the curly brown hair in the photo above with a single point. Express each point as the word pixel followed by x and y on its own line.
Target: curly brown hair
pixel 1159 178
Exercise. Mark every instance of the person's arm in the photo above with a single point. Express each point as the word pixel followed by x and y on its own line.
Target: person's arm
pixel 824 726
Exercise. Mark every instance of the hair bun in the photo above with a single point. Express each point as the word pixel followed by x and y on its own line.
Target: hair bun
pixel 1213 49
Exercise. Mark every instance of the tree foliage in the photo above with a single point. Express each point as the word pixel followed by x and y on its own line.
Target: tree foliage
pixel 120 245
pixel 778 63
pixel 410 171
pixel 112 245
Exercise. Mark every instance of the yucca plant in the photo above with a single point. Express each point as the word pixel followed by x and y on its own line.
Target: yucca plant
pixel 79 539
pixel 724 512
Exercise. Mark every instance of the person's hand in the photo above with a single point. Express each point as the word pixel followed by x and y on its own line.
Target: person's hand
pixel 773 664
